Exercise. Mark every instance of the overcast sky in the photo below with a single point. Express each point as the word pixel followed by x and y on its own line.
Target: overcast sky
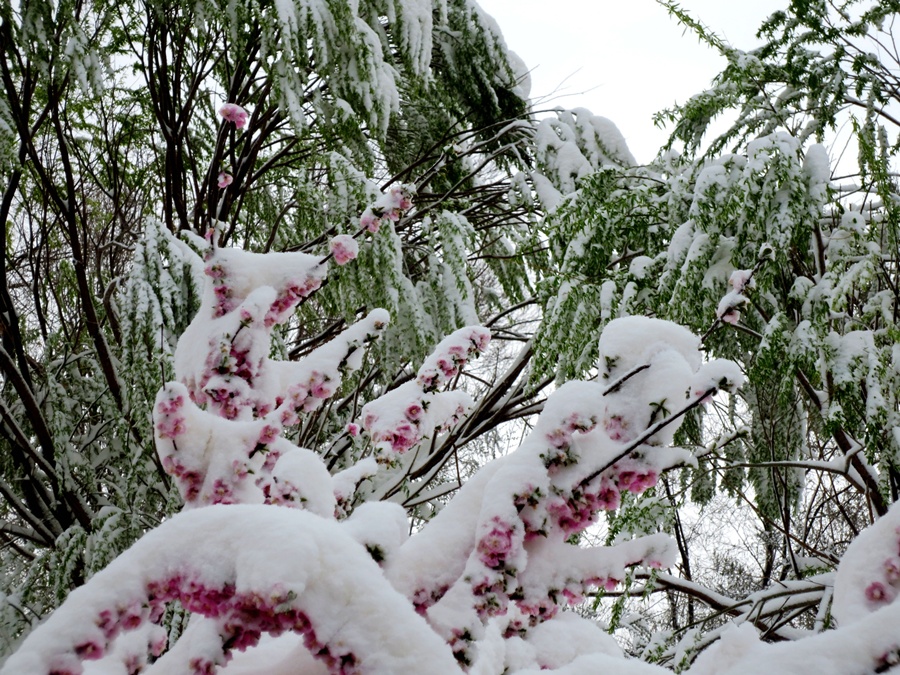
pixel 622 59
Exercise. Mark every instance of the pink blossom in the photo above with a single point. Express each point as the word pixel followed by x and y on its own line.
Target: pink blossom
pixel 403 437
pixel 240 469
pixel 606 583
pixel 215 271
pixel 399 200
pixel 559 438
pixel 90 650
pixel 414 411
pixel 607 499
pixel 370 221
pixel 731 316
pixel 495 545
pixel 448 368
pixel 268 434
pixel 231 112
pixel 543 609
pixel 322 390
pixel 158 646
pixel 892 569
pixel 706 398
pixel 344 248
pixel 616 428
pixel 878 592
pixel 739 279
pixel 170 406
pixel 225 179
pixel 576 422
pixel 571 597
pixel 170 426
pixel 353 429
pixel 480 338
pixel 458 351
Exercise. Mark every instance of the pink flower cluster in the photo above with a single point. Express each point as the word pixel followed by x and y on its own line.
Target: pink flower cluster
pixel 559 439
pixel 231 112
pixel 290 297
pixel 606 583
pixel 400 437
pixel 631 477
pixel 538 610
pixel 424 598
pixel 441 368
pixel 344 248
pixel 281 493
pixel 169 418
pixel 222 291
pixel 617 428
pixel 305 397
pixel 578 509
pixel 245 617
pixel 494 547
pixel 189 481
pixel 885 590
pixel 491 593
pixel 110 623
pixel 388 207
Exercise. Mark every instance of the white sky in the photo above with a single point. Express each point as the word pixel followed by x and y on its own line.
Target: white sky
pixel 622 59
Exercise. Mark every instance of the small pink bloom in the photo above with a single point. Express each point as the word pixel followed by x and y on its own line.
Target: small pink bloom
pixel 481 339
pixel 739 279
pixel 571 597
pixel 225 179
pixel 240 469
pixel 559 438
pixel 414 411
pixel 344 248
pixel 707 398
pixel 403 437
pixel 878 592
pixel 231 112
pixel 732 316
pixel 459 351
pixel 616 428
pixel 353 429
pixel 892 569
pixel 268 434
pixel 495 545
pixel 90 650
pixel 370 221
pixel 158 646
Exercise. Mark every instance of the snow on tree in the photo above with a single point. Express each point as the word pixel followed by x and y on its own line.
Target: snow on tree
pixel 753 243
pixel 247 272
pixel 262 546
pixel 258 548
pixel 124 126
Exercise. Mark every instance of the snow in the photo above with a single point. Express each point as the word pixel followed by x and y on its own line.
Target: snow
pixel 320 571
pixel 816 164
